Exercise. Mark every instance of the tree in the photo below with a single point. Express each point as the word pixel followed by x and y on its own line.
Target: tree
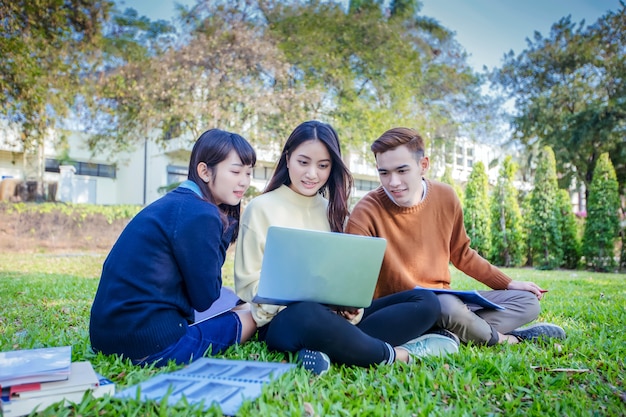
pixel 447 179
pixel 226 73
pixel 507 236
pixel 569 89
pixel 43 44
pixel 570 242
pixel 544 234
pixel 424 86
pixel 476 210
pixel 602 226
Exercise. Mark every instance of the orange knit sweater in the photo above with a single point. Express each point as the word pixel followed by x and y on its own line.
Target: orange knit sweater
pixel 421 241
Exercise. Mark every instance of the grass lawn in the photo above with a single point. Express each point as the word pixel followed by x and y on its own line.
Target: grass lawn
pixel 45 301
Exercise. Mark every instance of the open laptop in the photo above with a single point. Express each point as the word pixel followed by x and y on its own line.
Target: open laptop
pixel 329 268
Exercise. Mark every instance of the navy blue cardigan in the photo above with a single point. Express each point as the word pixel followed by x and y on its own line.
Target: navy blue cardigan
pixel 166 263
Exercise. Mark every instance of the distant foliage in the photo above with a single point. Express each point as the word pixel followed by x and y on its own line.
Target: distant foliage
pixel 602 227
pixel 544 233
pixel 78 212
pixel 526 226
pixel 476 210
pixel 569 91
pixel 507 235
pixel 622 256
pixel 569 231
pixel 447 179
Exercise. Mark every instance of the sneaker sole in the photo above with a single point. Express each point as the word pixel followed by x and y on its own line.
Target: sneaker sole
pixel 555 332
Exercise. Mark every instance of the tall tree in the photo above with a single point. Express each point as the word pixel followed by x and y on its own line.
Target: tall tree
pixel 570 242
pixel 602 226
pixel 447 179
pixel 568 90
pixel 544 235
pixel 508 246
pixel 476 210
pixel 423 86
pixel 225 73
pixel 43 44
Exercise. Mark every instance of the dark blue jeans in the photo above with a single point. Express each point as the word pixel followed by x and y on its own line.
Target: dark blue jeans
pixel 216 334
pixel 394 319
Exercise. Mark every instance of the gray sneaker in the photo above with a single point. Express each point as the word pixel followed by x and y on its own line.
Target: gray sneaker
pixel 538 331
pixel 430 345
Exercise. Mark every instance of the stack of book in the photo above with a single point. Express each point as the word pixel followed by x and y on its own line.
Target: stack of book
pixel 34 379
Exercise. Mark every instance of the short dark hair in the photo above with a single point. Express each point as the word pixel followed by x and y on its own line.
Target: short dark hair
pixel 213 147
pixel 339 184
pixel 399 136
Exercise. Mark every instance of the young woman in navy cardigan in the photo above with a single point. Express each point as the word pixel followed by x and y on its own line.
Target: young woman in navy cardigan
pixel 167 263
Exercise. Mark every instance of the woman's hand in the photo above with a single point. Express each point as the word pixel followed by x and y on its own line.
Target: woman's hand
pixel 352 314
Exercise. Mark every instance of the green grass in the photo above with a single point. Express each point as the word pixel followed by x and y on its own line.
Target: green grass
pixel 45 301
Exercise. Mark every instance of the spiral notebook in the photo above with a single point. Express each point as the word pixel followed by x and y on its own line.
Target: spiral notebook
pixel 209 381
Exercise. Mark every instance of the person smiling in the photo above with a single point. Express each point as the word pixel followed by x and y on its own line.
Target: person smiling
pixel 392 328
pixel 167 263
pixel 422 221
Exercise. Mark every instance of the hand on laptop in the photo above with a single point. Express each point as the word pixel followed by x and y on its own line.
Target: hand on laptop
pixel 352 314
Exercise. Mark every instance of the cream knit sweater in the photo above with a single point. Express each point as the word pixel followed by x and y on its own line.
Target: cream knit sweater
pixel 281 207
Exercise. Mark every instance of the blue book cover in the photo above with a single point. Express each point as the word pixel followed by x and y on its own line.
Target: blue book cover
pixel 468 297
pixel 35 365
pixel 209 381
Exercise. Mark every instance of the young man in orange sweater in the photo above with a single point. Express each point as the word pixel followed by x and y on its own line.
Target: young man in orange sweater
pixel 422 221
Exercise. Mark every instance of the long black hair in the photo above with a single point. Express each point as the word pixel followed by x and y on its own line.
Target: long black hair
pixel 212 147
pixel 339 184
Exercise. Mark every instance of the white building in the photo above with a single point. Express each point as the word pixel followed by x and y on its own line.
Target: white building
pixel 141 176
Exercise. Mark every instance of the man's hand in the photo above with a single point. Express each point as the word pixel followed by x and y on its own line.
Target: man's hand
pixel 527 286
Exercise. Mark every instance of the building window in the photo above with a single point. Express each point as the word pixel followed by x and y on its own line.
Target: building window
pixel 83 168
pixel 470 163
pixel 365 185
pixel 262 173
pixel 470 152
pixel 459 160
pixel 176 174
pixel 87 168
pixel 52 165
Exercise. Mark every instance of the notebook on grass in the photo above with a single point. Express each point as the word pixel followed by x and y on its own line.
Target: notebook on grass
pixel 329 268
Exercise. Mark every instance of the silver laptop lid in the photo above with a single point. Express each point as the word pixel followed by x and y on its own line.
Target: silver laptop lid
pixel 329 268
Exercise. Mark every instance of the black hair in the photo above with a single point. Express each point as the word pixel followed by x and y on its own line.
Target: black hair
pixel 213 147
pixel 339 184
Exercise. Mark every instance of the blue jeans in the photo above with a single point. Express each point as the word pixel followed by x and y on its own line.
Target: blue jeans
pixel 210 336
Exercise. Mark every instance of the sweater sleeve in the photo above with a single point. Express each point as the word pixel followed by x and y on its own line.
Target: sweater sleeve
pixel 248 259
pixel 198 250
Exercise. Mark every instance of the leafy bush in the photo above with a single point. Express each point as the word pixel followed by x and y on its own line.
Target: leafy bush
pixel 570 243
pixel 544 233
pixel 476 210
pixel 602 226
pixel 507 235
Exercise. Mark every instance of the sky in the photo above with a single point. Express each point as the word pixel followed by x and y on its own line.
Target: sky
pixel 487 29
